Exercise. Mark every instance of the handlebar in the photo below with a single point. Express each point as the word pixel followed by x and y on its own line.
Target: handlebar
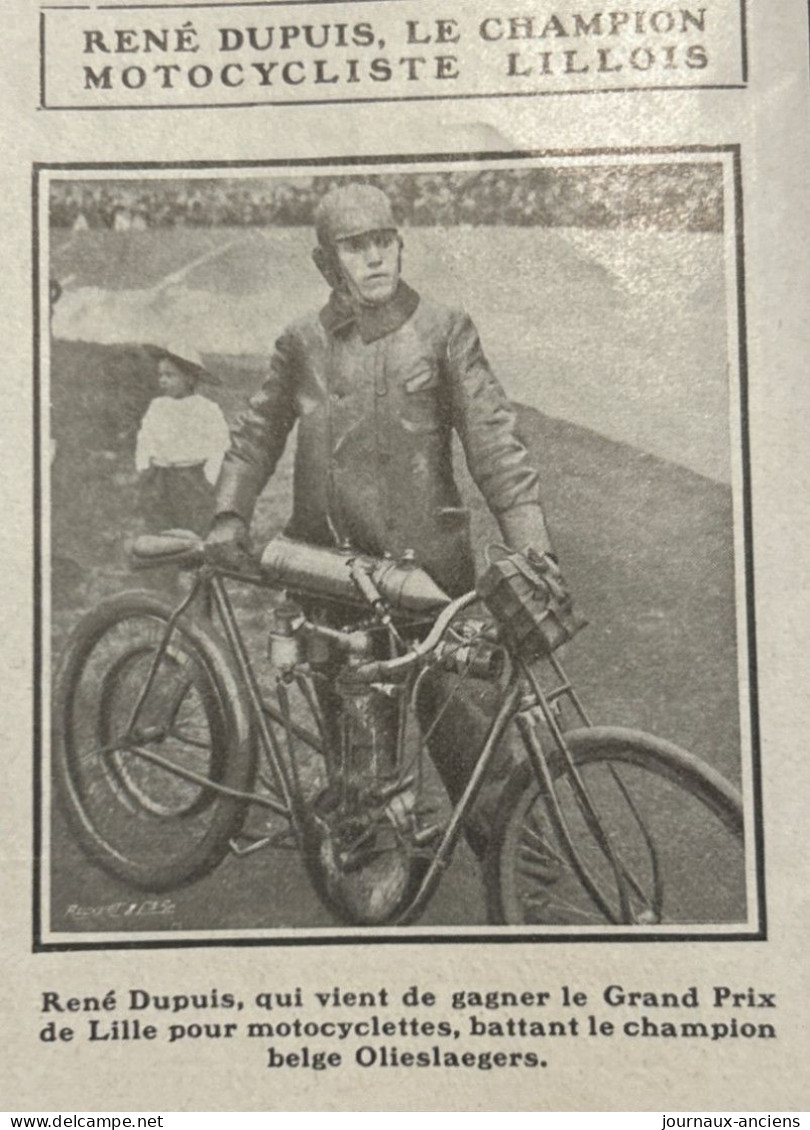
pixel 185 550
pixel 381 669
pixel 384 586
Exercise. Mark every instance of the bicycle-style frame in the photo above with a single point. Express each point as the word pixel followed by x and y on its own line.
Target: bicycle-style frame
pixel 523 699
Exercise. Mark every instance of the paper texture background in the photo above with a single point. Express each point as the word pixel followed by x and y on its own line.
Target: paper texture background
pixel 767 118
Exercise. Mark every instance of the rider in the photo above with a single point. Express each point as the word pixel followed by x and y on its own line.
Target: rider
pixel 378 380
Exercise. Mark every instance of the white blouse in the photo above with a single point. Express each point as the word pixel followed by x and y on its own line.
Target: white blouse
pixel 181 432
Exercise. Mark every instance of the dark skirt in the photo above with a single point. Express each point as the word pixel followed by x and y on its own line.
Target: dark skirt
pixel 176 498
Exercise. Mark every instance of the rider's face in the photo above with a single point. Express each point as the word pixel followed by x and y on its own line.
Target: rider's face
pixel 370 265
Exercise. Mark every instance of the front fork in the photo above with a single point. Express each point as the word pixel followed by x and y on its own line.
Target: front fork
pixel 626 886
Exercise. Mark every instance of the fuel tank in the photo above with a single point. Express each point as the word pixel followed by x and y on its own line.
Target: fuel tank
pixel 321 571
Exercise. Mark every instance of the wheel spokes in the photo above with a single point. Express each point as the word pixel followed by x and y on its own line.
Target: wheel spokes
pixel 562 909
pixel 186 739
pixel 670 849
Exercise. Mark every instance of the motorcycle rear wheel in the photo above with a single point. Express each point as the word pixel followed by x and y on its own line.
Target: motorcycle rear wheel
pixel 143 822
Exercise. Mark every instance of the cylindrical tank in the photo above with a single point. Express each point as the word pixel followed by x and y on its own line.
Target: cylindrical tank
pixel 321 571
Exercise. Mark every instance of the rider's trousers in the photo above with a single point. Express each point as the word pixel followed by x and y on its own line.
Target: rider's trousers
pixel 456 731
pixel 457 734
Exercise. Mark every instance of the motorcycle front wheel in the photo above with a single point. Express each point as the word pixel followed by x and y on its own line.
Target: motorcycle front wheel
pixel 674 829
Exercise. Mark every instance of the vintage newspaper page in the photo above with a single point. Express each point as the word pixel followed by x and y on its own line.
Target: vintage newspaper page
pixel 372 303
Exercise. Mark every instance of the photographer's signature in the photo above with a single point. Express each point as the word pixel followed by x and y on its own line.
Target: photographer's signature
pixel 145 908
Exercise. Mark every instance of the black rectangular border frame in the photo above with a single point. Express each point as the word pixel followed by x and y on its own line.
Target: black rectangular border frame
pixel 482 937
pixel 261 103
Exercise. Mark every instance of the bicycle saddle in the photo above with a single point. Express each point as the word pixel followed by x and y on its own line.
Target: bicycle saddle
pixel 172 547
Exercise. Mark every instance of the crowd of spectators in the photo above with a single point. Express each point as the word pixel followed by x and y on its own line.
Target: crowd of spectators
pixel 674 197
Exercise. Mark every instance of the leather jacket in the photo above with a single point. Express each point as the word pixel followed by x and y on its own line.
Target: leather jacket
pixel 377 393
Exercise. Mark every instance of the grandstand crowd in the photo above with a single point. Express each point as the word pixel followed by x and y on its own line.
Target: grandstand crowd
pixel 668 197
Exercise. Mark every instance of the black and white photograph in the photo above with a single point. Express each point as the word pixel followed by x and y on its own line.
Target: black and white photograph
pixel 394 552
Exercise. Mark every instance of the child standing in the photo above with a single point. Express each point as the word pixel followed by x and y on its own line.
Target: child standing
pixel 180 446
